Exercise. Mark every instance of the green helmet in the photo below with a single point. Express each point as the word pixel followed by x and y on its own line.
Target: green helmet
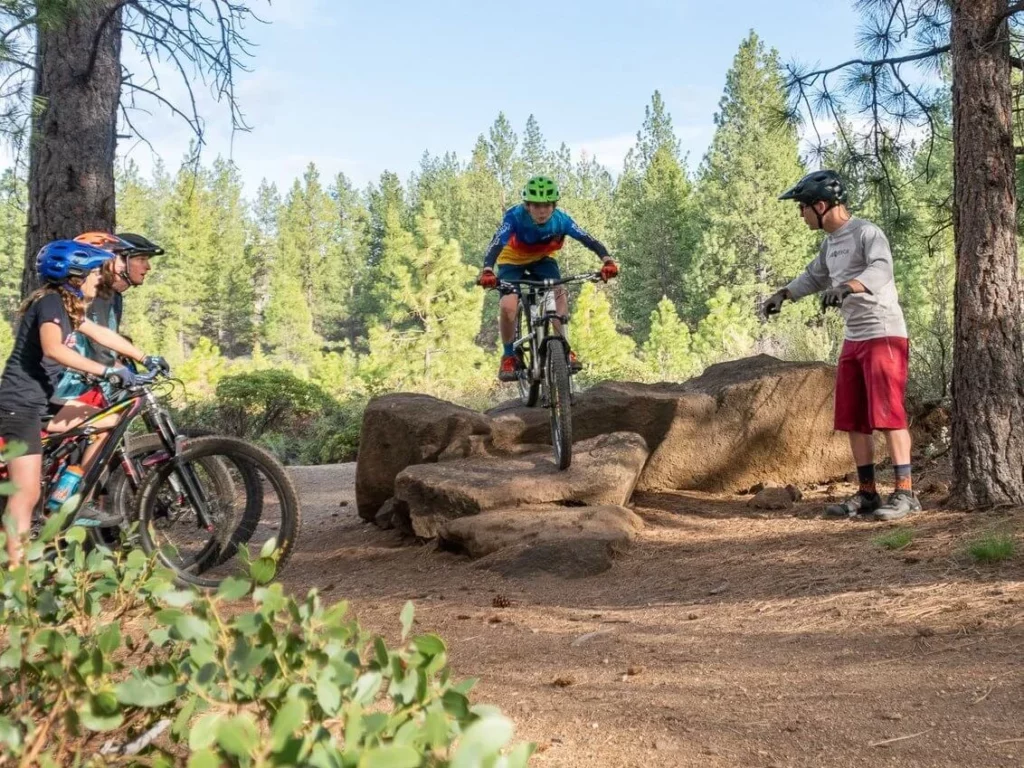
pixel 540 189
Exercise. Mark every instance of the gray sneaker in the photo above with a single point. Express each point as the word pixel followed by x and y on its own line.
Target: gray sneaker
pixel 861 503
pixel 92 516
pixel 898 505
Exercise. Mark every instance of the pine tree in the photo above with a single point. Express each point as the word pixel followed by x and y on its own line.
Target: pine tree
pixel 751 242
pixel 655 234
pixel 667 352
pixel 604 352
pixel 728 331
pixel 229 273
pixel 431 311
pixel 535 156
pixel 438 181
pixel 347 272
pixel 308 243
pixel 503 160
pixel 179 289
pixel 262 250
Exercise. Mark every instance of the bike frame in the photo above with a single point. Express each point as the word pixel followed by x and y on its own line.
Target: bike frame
pixel 58 446
pixel 540 335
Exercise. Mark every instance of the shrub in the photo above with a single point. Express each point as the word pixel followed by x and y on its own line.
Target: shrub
pixel 258 402
pixel 102 649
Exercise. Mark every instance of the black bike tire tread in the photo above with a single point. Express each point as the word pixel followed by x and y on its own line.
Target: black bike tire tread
pixel 560 393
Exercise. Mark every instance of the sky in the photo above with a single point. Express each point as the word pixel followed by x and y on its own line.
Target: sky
pixel 363 87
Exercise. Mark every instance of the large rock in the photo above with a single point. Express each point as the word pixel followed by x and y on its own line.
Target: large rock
pixel 748 421
pixel 604 471
pixel 404 429
pixel 482 534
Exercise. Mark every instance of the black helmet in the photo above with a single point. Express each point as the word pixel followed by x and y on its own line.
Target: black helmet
pixel 140 246
pixel 817 186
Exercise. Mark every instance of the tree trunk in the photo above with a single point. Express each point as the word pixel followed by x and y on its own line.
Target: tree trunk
pixel 74 135
pixel 988 358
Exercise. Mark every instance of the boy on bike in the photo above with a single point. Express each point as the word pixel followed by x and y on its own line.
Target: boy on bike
pixel 524 248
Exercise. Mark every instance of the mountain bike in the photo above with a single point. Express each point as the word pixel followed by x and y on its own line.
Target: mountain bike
pixel 543 353
pixel 184 484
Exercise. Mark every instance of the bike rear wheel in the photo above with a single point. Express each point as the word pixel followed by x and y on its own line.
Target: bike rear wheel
pixel 203 555
pixel 529 390
pixel 560 402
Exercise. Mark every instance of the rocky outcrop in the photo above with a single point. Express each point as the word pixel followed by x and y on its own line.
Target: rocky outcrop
pixel 604 472
pixel 405 429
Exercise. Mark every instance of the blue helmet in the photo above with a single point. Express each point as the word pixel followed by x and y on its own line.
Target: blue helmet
pixel 61 259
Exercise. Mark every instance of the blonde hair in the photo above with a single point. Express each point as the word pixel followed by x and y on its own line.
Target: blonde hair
pixel 74 305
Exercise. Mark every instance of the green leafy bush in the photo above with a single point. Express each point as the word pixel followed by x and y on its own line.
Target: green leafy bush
pixel 296 420
pixel 267 401
pixel 103 661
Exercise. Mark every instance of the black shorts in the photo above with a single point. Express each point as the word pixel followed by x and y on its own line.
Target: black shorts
pixel 24 428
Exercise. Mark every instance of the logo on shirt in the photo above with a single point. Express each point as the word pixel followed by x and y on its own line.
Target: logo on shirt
pixel 836 253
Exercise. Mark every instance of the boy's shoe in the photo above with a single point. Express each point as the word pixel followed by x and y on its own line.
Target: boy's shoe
pixel 509 369
pixel 575 366
pixel 898 505
pixel 861 503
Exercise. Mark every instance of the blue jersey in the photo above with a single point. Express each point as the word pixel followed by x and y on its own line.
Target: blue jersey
pixel 520 240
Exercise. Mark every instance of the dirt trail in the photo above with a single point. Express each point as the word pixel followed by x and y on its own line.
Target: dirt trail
pixel 728 637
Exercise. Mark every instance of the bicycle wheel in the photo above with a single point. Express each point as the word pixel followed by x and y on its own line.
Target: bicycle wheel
pixel 146 451
pixel 559 401
pixel 529 390
pixel 205 554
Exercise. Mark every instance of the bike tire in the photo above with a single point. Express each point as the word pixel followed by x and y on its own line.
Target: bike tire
pixel 240 453
pixel 560 403
pixel 529 390
pixel 122 497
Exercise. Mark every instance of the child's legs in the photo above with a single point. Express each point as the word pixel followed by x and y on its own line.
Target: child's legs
pixel 24 472
pixel 72 414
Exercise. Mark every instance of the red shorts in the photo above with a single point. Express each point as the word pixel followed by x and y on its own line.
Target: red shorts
pixel 871 380
pixel 93 397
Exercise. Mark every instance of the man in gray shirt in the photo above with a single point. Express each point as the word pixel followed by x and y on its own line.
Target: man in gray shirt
pixel 853 271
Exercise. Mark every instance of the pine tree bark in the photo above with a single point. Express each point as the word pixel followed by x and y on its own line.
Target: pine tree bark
pixel 988 357
pixel 74 133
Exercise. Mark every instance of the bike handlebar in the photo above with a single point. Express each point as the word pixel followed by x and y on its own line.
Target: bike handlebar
pixel 589 277
pixel 141 379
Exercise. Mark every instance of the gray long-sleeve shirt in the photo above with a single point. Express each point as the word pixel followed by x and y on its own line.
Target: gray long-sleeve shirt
pixel 858 250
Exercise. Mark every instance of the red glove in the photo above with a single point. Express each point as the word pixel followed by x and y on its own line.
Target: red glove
pixel 487 279
pixel 609 270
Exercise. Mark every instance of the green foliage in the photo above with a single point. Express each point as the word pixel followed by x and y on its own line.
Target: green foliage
pixel 992 548
pixel 604 352
pixel 728 330
pixel 655 235
pixel 895 540
pixel 100 646
pixel 667 352
pixel 252 404
pixel 750 241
